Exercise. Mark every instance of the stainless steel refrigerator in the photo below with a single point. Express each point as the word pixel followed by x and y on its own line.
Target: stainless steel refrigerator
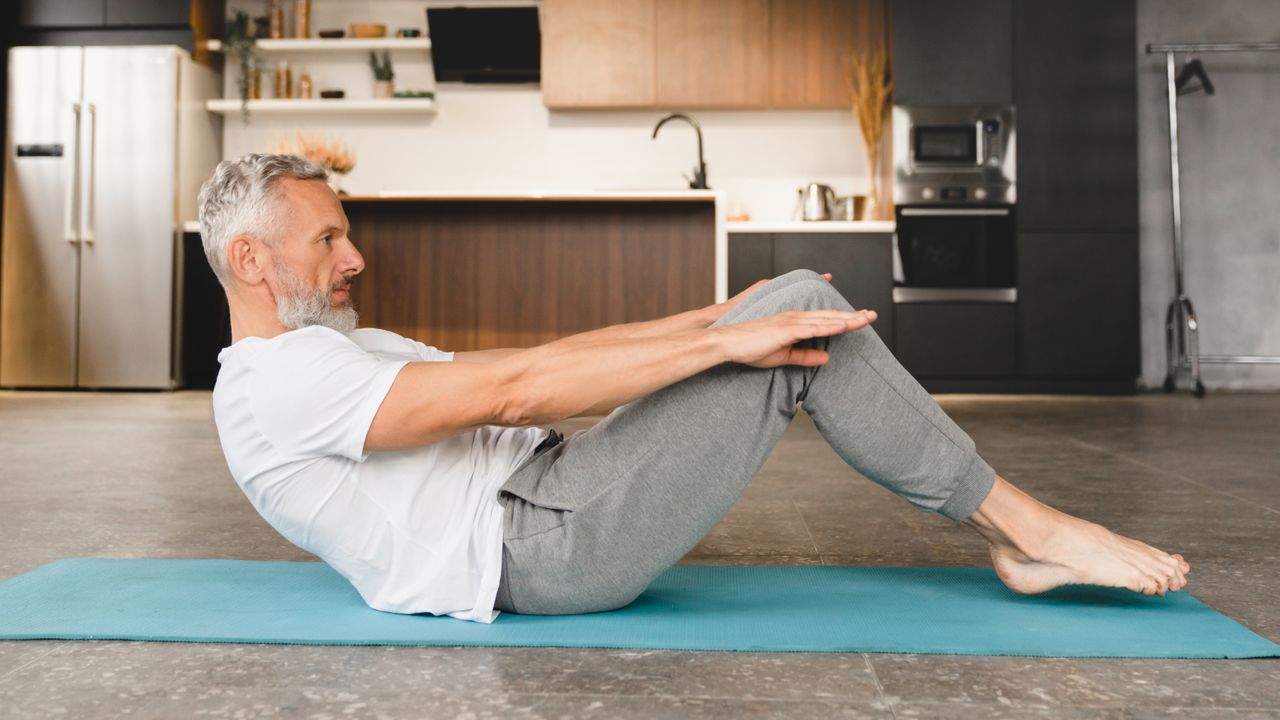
pixel 105 152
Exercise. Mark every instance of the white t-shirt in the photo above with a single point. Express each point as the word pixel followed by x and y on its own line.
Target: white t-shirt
pixel 414 531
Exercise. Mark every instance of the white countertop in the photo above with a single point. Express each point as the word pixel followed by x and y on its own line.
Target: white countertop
pixel 814 226
pixel 667 195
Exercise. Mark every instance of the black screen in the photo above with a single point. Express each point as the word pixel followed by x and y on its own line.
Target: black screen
pixel 485 44
pixel 946 144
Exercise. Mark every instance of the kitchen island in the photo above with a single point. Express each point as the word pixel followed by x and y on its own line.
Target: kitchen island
pixel 472 271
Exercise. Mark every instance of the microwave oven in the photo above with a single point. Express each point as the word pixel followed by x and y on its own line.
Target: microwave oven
pixel 954 154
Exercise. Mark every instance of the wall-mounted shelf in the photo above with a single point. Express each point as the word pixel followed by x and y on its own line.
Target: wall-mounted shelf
pixel 229 106
pixel 335 45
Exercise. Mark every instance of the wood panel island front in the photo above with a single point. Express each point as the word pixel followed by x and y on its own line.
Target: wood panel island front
pixel 473 271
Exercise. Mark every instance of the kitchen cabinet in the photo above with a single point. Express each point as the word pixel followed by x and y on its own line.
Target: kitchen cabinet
pixel 954 52
pixel 1078 305
pixel 491 271
pixel 810 45
pixel 61 13
pixel 1075 84
pixel 957 340
pixel 696 54
pixel 861 265
pixel 713 53
pixel 132 13
pixel 109 13
pixel 598 54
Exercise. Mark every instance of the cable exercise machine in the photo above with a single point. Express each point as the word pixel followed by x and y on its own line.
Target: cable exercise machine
pixel 1181 326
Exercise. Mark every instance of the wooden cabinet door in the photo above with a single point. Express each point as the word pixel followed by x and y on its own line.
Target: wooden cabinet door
pixel 953 52
pixel 810 49
pixel 597 53
pixel 713 53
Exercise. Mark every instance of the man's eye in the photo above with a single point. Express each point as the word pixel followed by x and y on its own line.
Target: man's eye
pixel 328 238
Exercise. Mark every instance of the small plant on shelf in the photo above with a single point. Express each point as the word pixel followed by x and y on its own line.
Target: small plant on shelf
pixel 383 75
pixel 242 42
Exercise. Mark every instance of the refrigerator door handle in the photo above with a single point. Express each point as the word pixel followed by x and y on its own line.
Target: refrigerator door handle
pixel 86 215
pixel 70 225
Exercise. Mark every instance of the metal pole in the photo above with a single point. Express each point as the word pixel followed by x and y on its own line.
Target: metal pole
pixel 1171 66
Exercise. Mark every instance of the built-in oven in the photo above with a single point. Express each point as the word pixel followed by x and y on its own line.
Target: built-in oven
pixel 955 291
pixel 952 247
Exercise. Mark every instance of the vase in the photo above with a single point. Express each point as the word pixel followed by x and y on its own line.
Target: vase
pixel 871 208
pixel 384 88
pixel 335 182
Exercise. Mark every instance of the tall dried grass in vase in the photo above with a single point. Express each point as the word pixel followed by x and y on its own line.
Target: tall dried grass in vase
pixel 872 88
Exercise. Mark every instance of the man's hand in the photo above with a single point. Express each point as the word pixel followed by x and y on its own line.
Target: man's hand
pixel 769 342
pixel 719 309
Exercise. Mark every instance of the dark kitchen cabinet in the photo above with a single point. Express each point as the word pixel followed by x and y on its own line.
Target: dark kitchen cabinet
pixel 953 52
pixel 750 259
pixel 1078 305
pixel 957 340
pixel 104 13
pixel 1075 85
pixel 62 13
pixel 136 13
pixel 861 266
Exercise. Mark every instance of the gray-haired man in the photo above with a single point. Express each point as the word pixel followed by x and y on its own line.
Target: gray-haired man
pixel 424 478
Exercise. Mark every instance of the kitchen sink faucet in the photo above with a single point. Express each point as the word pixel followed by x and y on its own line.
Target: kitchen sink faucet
pixel 699 179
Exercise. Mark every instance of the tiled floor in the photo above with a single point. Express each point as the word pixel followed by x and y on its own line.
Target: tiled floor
pixel 142 475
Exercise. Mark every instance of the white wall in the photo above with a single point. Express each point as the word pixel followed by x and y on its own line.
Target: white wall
pixel 502 137
pixel 1230 188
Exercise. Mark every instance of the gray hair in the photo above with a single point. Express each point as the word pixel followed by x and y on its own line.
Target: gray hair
pixel 239 200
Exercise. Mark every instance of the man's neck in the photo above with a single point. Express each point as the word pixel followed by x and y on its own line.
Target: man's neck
pixel 252 321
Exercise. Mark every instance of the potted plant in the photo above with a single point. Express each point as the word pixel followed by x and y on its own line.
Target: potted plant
pixel 242 42
pixel 872 86
pixel 383 75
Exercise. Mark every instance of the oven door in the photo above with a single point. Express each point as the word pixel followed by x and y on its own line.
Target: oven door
pixel 956 247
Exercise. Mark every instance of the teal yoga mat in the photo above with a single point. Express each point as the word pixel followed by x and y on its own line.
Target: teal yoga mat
pixel 963 611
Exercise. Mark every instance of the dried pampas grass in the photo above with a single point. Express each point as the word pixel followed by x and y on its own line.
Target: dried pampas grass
pixel 871 85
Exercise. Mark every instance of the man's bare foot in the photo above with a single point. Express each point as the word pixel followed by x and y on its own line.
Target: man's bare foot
pixel 1035 548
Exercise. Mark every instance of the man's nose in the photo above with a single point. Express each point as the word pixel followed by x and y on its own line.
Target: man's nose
pixel 352 261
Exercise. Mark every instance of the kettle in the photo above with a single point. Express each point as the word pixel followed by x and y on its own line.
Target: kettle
pixel 816 201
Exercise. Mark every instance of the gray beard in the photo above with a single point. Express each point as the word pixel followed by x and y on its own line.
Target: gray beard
pixel 298 307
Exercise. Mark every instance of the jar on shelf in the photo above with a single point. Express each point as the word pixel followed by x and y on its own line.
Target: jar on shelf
pixel 302 19
pixel 304 86
pixel 284 80
pixel 275 26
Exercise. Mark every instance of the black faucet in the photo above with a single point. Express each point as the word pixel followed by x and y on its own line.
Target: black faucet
pixel 699 179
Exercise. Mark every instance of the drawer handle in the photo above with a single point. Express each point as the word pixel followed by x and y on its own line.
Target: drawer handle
pixel 939 295
pixel 956 212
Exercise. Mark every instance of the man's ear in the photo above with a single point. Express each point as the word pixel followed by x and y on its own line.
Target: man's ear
pixel 246 258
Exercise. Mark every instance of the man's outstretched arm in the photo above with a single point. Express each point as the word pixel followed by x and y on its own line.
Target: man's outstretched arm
pixel 569 377
pixel 680 322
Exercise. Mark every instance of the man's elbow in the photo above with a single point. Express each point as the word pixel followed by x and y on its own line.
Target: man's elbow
pixel 513 402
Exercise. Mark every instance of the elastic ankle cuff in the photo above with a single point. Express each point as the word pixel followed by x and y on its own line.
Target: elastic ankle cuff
pixel 974 486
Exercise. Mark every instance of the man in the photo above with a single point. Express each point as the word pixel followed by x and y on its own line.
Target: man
pixel 423 478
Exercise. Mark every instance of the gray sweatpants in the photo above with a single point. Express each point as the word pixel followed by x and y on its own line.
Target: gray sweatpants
pixel 591 521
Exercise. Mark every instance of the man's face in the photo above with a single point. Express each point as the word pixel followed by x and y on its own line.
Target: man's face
pixel 313 262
